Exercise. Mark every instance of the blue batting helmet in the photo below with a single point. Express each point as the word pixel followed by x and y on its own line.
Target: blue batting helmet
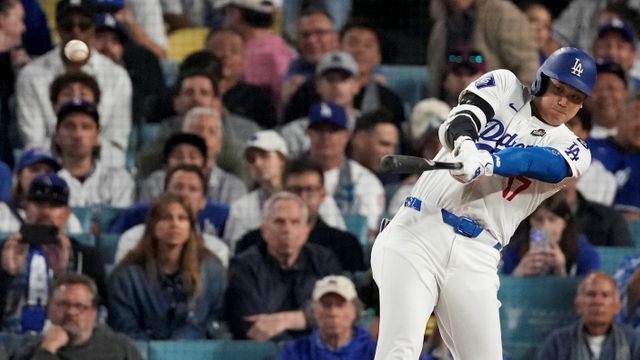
pixel 570 66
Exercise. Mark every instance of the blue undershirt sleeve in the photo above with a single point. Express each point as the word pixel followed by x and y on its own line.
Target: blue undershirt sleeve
pixel 540 163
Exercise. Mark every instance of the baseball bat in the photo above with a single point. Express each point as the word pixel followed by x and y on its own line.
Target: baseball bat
pixel 404 164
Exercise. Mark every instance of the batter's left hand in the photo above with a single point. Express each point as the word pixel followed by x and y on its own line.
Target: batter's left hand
pixel 475 163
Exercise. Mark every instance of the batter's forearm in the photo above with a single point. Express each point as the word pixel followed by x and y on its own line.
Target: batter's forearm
pixel 540 163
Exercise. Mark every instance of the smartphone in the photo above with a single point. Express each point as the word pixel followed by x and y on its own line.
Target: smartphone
pixel 37 235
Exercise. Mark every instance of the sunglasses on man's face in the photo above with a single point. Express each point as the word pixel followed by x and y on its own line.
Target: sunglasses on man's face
pixel 472 57
pixel 70 23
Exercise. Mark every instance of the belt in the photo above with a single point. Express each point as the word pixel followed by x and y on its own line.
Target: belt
pixel 461 224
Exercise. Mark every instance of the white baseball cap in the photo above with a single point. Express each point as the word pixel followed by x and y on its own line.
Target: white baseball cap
pixel 337 60
pixel 263 6
pixel 268 140
pixel 427 114
pixel 336 284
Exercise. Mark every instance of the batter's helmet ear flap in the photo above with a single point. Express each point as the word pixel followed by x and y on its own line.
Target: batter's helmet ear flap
pixel 570 66
pixel 540 84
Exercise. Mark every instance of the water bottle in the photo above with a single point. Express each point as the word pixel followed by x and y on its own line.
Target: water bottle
pixel 538 240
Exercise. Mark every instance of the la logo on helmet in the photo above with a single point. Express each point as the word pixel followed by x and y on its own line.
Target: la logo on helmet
pixel 577 68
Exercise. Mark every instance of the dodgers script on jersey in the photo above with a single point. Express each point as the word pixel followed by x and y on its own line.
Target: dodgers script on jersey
pixel 500 203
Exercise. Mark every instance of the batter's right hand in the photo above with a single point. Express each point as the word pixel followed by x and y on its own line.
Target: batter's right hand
pixel 475 163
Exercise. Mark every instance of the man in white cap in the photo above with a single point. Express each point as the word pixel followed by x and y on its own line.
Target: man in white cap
pixel 335 310
pixel 265 153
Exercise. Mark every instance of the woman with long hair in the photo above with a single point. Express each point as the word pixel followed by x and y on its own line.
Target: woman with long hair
pixel 170 286
pixel 548 243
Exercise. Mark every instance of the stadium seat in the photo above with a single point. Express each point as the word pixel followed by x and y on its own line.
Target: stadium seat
pixel 86 239
pixel 409 82
pixel 531 308
pixel 357 225
pixel 183 42
pixel 107 246
pixel 169 71
pixel 208 349
pixel 634 229
pixel 105 218
pixel 611 257
pixel 84 215
pixel 143 348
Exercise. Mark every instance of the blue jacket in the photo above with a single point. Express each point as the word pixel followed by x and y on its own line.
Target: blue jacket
pixel 361 347
pixel 157 309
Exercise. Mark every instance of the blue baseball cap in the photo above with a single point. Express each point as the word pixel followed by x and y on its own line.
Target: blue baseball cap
pixel 328 113
pixel 34 156
pixel 49 188
pixel 78 105
pixel 108 22
pixel 625 30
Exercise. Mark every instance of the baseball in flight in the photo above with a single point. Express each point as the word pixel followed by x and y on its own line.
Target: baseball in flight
pixel 76 51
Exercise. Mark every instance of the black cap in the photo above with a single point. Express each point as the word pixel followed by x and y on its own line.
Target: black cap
pixel 78 105
pixel 85 7
pixel 184 138
pixel 49 188
pixel 611 67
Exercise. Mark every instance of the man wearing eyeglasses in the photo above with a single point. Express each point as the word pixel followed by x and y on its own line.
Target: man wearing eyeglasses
pixel 36 117
pixel 71 332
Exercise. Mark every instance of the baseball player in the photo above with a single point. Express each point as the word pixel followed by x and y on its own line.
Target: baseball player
pixel 441 250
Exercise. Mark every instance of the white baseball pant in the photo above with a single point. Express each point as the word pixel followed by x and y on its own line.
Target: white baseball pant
pixel 421 264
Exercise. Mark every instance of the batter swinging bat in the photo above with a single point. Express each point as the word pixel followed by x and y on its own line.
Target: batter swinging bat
pixel 404 164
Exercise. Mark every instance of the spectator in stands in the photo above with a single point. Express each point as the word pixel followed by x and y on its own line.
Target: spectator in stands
pixel 338 11
pixel 505 44
pixel 32 163
pixel 77 142
pixel 562 251
pixel 597 185
pixel 170 286
pixel 464 66
pixel 376 135
pixel 595 335
pixel 198 88
pixel 265 153
pixel 47 204
pixel 426 118
pixel 136 23
pixel 239 97
pixel 335 310
pixel 71 85
pixel 355 189
pixel 361 39
pixel 616 42
pixel 316 35
pixel 271 282
pixel 36 118
pixel 142 65
pixel 11 28
pixel 336 82
pixel 540 20
pixel 74 333
pixel 223 187
pixel 180 14
pixel 267 55
pixel 620 156
pixel 607 102
pixel 602 225
pixel 186 181
pixel 306 180
pixel 628 280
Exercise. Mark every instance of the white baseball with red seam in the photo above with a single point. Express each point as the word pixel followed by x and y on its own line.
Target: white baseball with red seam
pixel 76 51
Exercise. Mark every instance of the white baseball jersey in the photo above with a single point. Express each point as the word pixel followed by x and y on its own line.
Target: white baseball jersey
pixel 500 203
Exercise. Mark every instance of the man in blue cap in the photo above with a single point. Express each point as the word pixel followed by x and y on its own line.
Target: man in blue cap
pixel 47 204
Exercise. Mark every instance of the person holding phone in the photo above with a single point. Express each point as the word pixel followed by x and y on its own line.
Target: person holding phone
pixel 548 243
pixel 47 204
